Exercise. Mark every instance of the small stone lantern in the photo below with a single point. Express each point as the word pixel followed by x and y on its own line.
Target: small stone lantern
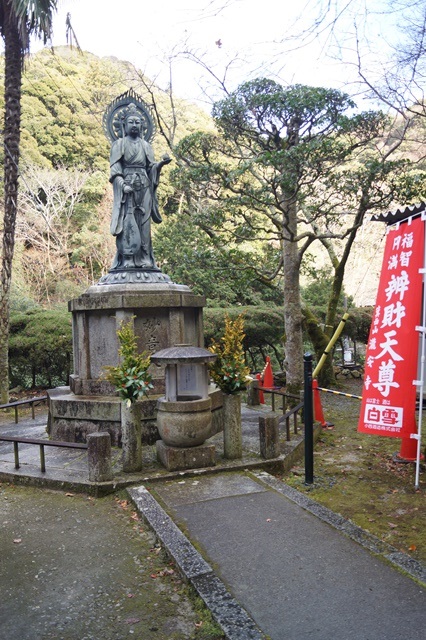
pixel 184 413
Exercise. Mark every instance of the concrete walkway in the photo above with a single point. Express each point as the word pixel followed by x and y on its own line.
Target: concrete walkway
pixel 300 571
pixel 267 560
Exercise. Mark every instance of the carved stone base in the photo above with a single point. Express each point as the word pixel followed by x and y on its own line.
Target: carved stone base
pixel 181 458
pixel 163 314
pixel 73 417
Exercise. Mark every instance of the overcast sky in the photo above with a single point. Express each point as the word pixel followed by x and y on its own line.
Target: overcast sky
pixel 146 33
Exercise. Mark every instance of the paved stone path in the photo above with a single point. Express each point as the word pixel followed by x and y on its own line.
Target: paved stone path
pixel 294 571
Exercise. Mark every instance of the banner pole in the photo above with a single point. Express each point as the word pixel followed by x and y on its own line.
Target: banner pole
pixel 422 329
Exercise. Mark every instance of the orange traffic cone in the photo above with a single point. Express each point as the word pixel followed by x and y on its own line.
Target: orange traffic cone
pixel 268 378
pixel 318 412
pixel 408 450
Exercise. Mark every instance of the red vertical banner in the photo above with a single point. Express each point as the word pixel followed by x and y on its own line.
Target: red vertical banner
pixel 389 395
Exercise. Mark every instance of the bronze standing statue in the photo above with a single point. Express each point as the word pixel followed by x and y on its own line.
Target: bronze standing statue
pixel 134 175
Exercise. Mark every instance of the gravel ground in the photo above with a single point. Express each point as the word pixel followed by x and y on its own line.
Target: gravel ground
pixel 77 568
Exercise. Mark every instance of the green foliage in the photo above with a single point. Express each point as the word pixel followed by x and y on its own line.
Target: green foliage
pixel 64 96
pixel 229 370
pixel 277 147
pixel 222 271
pixel 316 294
pixel 263 328
pixel 130 378
pixel 358 324
pixel 59 110
pixel 40 348
pixel 262 106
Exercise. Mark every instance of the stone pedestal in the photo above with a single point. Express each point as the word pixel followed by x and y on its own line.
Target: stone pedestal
pixel 269 435
pixel 164 314
pixel 131 437
pixel 232 429
pixel 99 457
pixel 181 458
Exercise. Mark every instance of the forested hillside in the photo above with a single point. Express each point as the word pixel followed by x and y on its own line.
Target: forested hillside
pixel 222 198
pixel 63 239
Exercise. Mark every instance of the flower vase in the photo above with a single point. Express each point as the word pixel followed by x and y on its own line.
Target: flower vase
pixel 131 437
pixel 232 432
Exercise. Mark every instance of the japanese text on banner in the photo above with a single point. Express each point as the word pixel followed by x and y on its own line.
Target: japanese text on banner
pixel 389 395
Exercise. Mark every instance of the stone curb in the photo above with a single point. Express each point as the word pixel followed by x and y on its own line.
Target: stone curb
pixel 401 560
pixel 228 613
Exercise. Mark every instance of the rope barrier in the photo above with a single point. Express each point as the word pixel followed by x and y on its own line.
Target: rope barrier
pixel 339 393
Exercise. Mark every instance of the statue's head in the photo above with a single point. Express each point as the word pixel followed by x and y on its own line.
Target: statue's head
pixel 123 107
pixel 132 121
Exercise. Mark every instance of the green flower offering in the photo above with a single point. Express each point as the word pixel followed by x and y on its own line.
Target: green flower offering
pixel 130 378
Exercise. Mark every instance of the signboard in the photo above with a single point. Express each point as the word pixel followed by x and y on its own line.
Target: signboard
pixel 389 395
pixel 188 382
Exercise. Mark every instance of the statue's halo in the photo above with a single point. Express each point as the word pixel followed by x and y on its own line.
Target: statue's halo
pixel 116 112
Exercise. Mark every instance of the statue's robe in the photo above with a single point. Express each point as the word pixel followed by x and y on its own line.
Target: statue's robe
pixel 132 162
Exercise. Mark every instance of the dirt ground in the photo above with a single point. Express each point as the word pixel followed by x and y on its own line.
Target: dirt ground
pixel 77 568
pixel 356 475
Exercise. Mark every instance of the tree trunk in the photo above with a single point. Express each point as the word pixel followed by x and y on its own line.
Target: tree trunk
pixel 12 120
pixel 293 362
pixel 320 341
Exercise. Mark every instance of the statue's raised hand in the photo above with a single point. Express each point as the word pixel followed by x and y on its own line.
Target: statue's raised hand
pixel 164 160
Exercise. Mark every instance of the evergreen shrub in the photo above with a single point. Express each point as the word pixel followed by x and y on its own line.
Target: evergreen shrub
pixel 263 328
pixel 40 348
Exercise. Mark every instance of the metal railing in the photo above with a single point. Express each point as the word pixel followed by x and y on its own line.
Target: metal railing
pixel 41 443
pixel 292 413
pixel 19 403
pixel 277 392
pixel 287 416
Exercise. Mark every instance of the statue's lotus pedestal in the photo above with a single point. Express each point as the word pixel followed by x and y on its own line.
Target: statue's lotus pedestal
pixel 164 314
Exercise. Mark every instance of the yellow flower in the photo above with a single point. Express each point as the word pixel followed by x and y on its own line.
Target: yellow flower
pixel 229 371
